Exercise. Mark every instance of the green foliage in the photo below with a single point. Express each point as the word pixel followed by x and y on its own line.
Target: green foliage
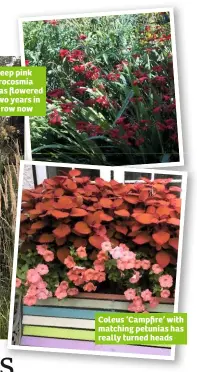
pixel 125 71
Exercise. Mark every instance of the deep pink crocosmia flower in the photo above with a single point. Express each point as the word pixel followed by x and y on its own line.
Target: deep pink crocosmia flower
pixel 53 22
pixel 79 68
pixel 81 90
pixel 120 120
pixel 82 37
pixel 64 53
pixel 139 141
pixel 67 107
pixel 157 109
pixel 160 79
pixel 136 55
pixel 113 76
pixel 89 102
pixel 27 62
pixel 55 118
pixel 157 68
pixel 103 101
pixel 166 97
pixel 56 93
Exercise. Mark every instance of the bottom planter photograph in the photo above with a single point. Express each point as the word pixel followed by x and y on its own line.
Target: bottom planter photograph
pixel 94 239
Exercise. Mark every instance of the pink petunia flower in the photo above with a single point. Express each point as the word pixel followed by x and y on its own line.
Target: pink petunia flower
pixel 69 262
pixel 72 291
pixel 157 269
pixel 146 295
pixel 135 278
pixel 165 293
pixel 89 287
pixel 154 302
pixel 18 282
pixel 42 269
pixel 29 300
pixel 33 276
pixel 41 249
pixel 166 281
pixel 106 246
pixel 130 294
pixel 81 252
pixel 48 256
pixel 145 264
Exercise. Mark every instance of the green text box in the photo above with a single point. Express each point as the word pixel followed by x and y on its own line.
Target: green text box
pixel 163 329
pixel 22 91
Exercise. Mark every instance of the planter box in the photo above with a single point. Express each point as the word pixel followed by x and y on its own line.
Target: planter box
pixel 69 323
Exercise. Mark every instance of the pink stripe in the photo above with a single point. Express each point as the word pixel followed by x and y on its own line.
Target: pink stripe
pixel 91 346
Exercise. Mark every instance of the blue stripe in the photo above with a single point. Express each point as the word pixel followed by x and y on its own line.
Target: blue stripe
pixel 60 312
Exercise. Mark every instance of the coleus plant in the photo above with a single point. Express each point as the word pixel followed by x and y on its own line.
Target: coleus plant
pixel 79 235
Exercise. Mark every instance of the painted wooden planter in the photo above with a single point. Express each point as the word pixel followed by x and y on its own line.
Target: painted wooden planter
pixel 69 324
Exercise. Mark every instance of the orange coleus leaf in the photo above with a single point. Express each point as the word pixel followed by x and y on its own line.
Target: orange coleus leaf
pixel 78 212
pixel 161 237
pixel 151 210
pixel 122 213
pixel 62 253
pixel 58 214
pixel 174 242
pixel 144 218
pixel 64 202
pixel 142 238
pixel 136 226
pixel 93 255
pixel 38 225
pixel 96 241
pixel 59 192
pixel 114 242
pixel 106 203
pixel 175 188
pixel 105 217
pixel 78 242
pixel 70 185
pixel 60 241
pixel 163 211
pixel 174 221
pixel 144 194
pixel 62 230
pixel 117 203
pixel 132 199
pixel 74 173
pixel 33 213
pixel 163 258
pixel 121 229
pixel 46 238
pixel 82 228
pixel 24 217
pixel 159 187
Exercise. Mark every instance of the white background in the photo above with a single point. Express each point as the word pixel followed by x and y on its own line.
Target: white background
pixel 185 23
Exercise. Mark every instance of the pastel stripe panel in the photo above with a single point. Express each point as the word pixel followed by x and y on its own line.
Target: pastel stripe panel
pixel 59 312
pixel 75 334
pixel 58 322
pixel 99 304
pixel 90 346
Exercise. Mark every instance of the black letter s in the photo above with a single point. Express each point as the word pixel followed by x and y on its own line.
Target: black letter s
pixel 6 366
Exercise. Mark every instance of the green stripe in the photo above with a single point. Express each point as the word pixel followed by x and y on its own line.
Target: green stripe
pixel 65 333
pixel 74 334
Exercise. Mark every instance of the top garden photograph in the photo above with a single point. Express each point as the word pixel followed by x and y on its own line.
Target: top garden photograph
pixel 110 89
